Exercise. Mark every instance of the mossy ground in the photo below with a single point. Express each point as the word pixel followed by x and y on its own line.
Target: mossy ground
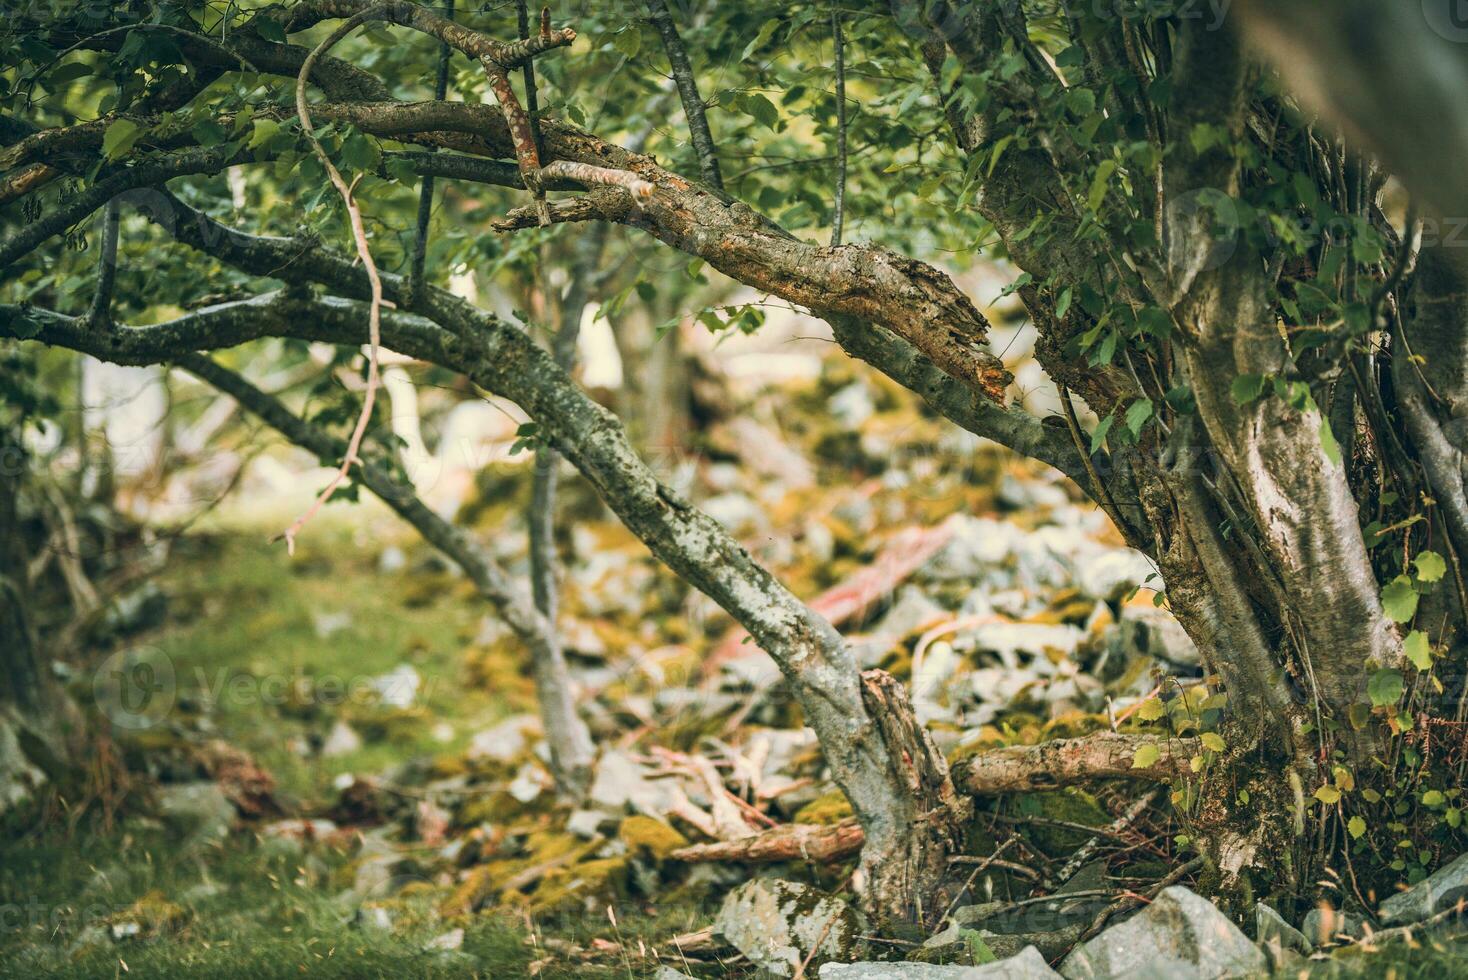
pixel 242 636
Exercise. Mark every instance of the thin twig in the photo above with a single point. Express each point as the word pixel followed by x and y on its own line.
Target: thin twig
pixel 364 252
pixel 838 220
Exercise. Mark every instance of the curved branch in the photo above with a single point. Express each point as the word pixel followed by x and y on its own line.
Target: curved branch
pixel 566 734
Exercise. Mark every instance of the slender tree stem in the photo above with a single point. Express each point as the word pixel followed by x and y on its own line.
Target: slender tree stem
pixel 425 188
pixel 838 220
pixel 693 107
pixel 100 313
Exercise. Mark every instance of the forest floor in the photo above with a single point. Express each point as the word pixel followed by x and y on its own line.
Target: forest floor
pixel 335 772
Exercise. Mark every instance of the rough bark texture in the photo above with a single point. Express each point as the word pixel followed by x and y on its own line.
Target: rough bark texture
pixel 1067 761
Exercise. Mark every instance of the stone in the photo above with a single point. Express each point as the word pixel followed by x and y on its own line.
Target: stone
pixel 341 740
pixel 398 688
pixel 777 924
pixel 1180 936
pixel 621 781
pixel 506 741
pixel 449 941
pixel 373 918
pixel 1324 926
pixel 585 824
pixel 1439 890
pixel 1270 927
pixel 1027 965
pixel 196 810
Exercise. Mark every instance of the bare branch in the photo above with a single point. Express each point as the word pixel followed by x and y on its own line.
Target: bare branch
pixel 693 106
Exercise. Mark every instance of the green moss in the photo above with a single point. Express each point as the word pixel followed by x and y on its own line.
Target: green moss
pixel 825 810
pixel 648 835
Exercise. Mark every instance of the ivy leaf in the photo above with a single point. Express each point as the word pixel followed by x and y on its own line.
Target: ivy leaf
pixel 1385 687
pixel 1399 600
pixel 119 138
pixel 1328 795
pixel 1430 566
pixel 1146 757
pixel 1417 649
pixel 1213 742
pixel 1433 797
pixel 1356 826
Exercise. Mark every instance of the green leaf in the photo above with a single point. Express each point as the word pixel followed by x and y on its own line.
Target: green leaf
pixel 264 131
pixel 1385 687
pixel 1138 414
pixel 1213 742
pixel 1430 566
pixel 765 33
pixel 1247 388
pixel 1062 305
pixel 1399 600
pixel 1099 184
pixel 628 40
pixel 1418 650
pixel 1433 797
pixel 1328 444
pixel 269 30
pixel 1356 826
pixel 1152 709
pixel 1328 795
pixel 207 132
pixel 119 138
pixel 761 108
pixel 1146 757
pixel 1098 438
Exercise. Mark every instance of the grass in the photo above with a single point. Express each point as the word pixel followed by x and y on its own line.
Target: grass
pixel 249 646
pixel 249 911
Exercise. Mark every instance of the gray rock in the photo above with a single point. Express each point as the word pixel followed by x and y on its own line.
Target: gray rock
pixel 777 924
pixel 341 740
pixel 506 741
pixel 1438 891
pixel 449 941
pixel 1323 926
pixel 1270 927
pixel 622 781
pixel 197 810
pixel 1180 936
pixel 1027 965
pixel 373 918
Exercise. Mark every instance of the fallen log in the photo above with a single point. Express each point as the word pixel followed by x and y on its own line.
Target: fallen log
pixel 792 842
pixel 1016 768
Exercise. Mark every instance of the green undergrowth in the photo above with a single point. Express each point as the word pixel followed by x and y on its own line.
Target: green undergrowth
pixel 279 648
pixel 246 910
